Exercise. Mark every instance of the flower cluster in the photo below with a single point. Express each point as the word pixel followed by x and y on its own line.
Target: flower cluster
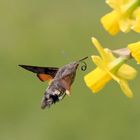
pixel 110 68
pixel 111 64
pixel 124 17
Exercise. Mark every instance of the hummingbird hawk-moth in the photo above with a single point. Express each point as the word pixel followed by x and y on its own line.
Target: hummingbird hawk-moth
pixel 60 80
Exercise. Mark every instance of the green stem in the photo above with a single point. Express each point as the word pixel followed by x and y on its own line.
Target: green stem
pixel 117 63
pixel 130 7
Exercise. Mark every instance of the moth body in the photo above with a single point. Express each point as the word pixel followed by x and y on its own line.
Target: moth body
pixel 60 80
pixel 61 83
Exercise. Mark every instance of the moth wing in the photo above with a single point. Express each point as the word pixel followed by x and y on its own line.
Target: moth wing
pixel 66 83
pixel 43 73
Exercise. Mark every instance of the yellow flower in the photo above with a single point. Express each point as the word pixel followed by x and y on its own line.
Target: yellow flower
pixel 125 16
pixel 108 68
pixel 135 51
pixel 132 51
pixel 136 23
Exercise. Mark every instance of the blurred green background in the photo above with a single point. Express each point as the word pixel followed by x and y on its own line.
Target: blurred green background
pixel 54 33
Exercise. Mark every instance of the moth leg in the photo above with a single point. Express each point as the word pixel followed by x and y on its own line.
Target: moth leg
pixel 66 85
pixel 68 92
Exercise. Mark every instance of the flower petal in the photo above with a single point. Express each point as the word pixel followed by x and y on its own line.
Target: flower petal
pixel 116 4
pixel 98 61
pixel 135 51
pixel 126 72
pixel 111 57
pixel 125 24
pixel 114 77
pixel 111 22
pixel 109 69
pixel 97 79
pixel 125 88
pixel 136 25
pixel 105 53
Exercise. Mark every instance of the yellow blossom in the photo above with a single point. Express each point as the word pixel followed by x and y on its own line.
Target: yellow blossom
pixel 109 67
pixel 125 16
pixel 135 51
